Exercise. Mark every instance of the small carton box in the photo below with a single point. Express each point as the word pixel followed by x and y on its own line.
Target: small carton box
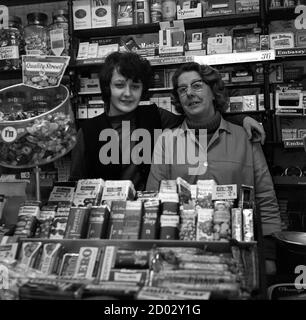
pixel 101 13
pixel 81 14
pixel 281 40
pixel 188 10
pixel 217 45
pixel 83 50
pixel 218 7
pixel 247 6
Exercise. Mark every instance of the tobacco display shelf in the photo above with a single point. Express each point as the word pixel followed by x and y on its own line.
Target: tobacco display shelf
pixel 227 85
pixel 246 112
pixel 205 22
pixel 89 93
pixel 213 59
pixel 160 89
pixel 214 246
pixel 244 85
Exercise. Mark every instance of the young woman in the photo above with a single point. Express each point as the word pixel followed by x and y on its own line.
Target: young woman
pixel 125 79
pixel 224 151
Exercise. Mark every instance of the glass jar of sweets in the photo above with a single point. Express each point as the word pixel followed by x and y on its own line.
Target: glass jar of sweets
pixel 59 34
pixel 36 34
pixel 11 45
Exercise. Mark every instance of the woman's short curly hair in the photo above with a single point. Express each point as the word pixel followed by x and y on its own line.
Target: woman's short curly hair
pixel 131 66
pixel 210 76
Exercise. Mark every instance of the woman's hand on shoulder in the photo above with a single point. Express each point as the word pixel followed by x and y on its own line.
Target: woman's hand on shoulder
pixel 254 129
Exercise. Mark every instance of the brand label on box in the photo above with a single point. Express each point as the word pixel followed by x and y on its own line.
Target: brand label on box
pixel 221 192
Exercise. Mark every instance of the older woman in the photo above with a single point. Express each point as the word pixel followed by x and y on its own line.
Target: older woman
pixel 223 150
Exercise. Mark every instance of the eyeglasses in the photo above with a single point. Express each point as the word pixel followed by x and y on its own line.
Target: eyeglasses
pixel 195 86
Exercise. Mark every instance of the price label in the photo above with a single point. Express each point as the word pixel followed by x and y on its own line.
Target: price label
pixel 222 192
pixel 265 56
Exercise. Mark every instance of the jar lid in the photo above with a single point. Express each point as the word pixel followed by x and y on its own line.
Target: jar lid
pixel 60 16
pixel 15 21
pixel 60 12
pixel 37 18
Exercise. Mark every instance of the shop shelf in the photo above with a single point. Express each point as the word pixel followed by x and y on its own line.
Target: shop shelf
pixel 89 93
pixel 205 22
pixel 236 57
pixel 244 85
pixel 213 59
pixel 215 246
pixel 160 89
pixel 245 112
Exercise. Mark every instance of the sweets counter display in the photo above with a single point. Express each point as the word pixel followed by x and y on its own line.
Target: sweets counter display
pixel 36 125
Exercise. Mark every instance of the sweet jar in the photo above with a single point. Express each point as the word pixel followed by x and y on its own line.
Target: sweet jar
pixel 36 34
pixel 11 45
pixel 33 135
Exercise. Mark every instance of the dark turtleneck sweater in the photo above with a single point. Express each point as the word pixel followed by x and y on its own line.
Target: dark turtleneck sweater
pixel 211 125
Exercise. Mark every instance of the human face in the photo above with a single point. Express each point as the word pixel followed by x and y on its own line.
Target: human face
pixel 125 94
pixel 195 96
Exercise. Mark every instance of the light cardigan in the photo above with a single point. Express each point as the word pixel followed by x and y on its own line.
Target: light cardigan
pixel 231 159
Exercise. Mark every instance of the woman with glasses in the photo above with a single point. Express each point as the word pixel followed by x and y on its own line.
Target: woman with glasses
pixel 206 146
pixel 125 79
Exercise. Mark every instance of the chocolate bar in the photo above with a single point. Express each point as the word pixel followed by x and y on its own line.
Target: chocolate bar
pixel 29 252
pixel 149 228
pixel 248 225
pixel 86 262
pixel 132 220
pixel 68 265
pixel 97 223
pixel 205 224
pixel 169 227
pixel 77 223
pixel 115 227
pixel 237 224
pixel 50 258
pixel 132 259
pixel 59 222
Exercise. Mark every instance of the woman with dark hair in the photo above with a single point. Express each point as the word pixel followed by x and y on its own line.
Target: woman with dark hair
pixel 221 149
pixel 125 79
